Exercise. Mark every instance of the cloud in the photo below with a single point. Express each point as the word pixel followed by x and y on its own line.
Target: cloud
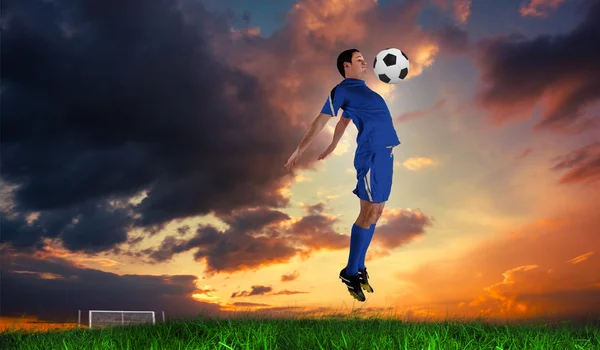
pixel 291 277
pixel 121 115
pixel 530 289
pixel 460 9
pixel 136 130
pixel 263 290
pixel 557 71
pixel 316 232
pixel 528 273
pixel 315 209
pixel 262 237
pixel 246 304
pixel 581 258
pixel 400 227
pixel 54 289
pixel 452 39
pixel 253 239
pixel 304 50
pixel 256 290
pixel 289 292
pixel 417 163
pixel 90 227
pixel 539 8
pixel 582 165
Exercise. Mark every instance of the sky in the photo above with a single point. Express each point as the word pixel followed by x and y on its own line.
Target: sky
pixel 143 147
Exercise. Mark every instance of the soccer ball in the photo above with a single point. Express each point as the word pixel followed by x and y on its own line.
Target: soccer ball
pixel 391 65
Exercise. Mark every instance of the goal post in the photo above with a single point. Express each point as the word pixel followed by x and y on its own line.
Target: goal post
pixel 103 318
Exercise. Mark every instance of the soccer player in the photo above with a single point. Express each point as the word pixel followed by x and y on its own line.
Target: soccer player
pixel 373 160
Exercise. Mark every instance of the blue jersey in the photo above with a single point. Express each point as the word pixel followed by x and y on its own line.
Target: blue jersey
pixel 368 112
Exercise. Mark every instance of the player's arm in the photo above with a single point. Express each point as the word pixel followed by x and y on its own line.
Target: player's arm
pixel 340 128
pixel 315 127
pixel 330 108
pixel 334 102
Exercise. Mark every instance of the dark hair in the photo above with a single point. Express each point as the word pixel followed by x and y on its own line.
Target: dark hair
pixel 345 56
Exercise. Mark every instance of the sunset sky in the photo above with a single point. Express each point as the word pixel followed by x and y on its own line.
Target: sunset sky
pixel 143 146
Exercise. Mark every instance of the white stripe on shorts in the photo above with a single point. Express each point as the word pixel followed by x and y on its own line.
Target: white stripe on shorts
pixel 367 187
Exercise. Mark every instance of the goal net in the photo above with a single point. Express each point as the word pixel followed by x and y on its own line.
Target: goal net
pixel 104 318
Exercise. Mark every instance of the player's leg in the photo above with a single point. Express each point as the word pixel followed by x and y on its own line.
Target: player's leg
pixel 367 241
pixel 359 232
pixel 381 185
pixel 375 219
pixel 363 162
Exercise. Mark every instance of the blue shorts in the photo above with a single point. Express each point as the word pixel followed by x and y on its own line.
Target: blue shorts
pixel 374 172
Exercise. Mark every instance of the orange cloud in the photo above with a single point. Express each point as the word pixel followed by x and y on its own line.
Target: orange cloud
pixel 287 278
pixel 581 258
pixel 547 271
pixel 399 227
pixel 245 32
pixel 288 292
pixel 462 10
pixel 417 163
pixel 299 59
pixel 539 8
pixel 262 237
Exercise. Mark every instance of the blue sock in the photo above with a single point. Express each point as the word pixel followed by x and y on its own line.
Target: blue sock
pixel 357 239
pixel 365 247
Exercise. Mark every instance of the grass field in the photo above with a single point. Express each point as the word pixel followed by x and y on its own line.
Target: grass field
pixel 314 333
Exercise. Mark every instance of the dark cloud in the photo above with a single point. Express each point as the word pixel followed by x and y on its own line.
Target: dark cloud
pixel 263 237
pixel 288 292
pixel 263 290
pixel 97 107
pixel 256 290
pixel 254 238
pixel 315 208
pixel 242 245
pixel 317 233
pixel 90 227
pixel 53 289
pixel 452 39
pixel 401 228
pixel 560 70
pixel 183 229
pixel 251 220
pixel 247 304
pixel 292 276
pixel 581 164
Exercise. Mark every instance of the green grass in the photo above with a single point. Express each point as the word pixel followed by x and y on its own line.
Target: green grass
pixel 314 333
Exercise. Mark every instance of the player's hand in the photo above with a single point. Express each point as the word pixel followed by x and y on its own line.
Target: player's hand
pixel 292 160
pixel 327 152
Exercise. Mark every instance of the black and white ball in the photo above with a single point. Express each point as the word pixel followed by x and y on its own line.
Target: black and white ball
pixel 391 65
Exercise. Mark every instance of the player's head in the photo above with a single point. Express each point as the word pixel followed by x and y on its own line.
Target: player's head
pixel 351 64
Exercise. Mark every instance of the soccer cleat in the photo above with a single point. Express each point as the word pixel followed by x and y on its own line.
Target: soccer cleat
pixel 353 285
pixel 363 278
